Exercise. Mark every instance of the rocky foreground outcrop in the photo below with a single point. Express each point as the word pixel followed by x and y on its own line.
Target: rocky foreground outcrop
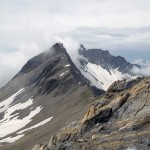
pixel 119 120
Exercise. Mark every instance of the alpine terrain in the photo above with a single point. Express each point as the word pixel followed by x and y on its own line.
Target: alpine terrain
pixel 93 102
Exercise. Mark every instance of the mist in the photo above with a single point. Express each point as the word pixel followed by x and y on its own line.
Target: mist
pixel 11 63
pixel 144 71
pixel 72 46
pixel 145 67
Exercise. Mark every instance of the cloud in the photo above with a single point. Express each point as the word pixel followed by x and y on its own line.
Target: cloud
pixel 144 71
pixel 142 62
pixel 32 26
pixel 136 39
pixel 130 42
pixel 12 62
pixel 71 46
pixel 145 67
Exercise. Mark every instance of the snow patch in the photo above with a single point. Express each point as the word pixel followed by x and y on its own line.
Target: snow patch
pixel 100 77
pixel 10 123
pixel 6 103
pixel 35 126
pixel 10 126
pixel 64 73
pixel 68 65
pixel 11 139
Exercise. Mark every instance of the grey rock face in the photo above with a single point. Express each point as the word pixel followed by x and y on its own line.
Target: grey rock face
pixel 119 121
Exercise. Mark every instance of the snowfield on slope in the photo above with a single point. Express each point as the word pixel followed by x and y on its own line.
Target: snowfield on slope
pixel 100 77
pixel 10 123
pixel 37 125
pixel 11 139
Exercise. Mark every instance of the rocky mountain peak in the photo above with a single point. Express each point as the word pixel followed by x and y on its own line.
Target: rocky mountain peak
pixel 36 61
pixel 49 69
pixel 81 49
pixel 58 48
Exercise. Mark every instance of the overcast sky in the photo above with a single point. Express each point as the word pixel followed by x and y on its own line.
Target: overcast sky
pixel 28 27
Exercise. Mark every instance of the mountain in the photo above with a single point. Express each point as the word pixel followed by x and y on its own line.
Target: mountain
pixel 102 69
pixel 52 90
pixel 119 120
pixel 47 93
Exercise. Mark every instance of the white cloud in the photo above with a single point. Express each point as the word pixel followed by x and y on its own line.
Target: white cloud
pixel 11 62
pixel 142 62
pixel 71 46
pixel 144 71
pixel 145 67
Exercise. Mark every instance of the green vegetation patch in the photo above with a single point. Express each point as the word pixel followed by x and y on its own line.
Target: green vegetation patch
pixel 85 95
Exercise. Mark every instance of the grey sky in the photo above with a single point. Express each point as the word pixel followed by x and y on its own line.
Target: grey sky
pixel 28 27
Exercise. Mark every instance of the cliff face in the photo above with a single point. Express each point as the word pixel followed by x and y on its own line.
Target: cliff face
pixel 119 120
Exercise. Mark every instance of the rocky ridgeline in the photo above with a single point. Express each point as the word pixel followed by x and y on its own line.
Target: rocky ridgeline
pixel 119 120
